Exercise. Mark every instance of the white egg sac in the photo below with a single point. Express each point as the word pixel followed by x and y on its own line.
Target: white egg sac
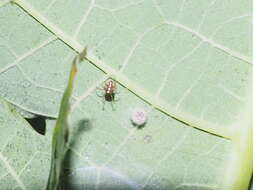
pixel 138 117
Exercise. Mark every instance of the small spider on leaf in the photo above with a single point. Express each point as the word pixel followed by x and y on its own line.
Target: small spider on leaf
pixel 109 91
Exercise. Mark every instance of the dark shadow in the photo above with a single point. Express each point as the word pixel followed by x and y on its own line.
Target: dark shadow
pixel 251 183
pixel 82 126
pixel 139 126
pixel 38 123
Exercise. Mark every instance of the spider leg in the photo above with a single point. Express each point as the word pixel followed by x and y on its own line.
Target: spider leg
pixel 116 91
pixel 113 108
pixel 103 108
pixel 112 102
pixel 116 99
pixel 99 90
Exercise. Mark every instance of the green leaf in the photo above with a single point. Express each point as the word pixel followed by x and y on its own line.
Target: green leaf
pixel 24 154
pixel 188 64
pixel 61 130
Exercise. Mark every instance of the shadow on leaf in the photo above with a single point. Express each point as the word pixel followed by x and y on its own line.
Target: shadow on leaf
pixel 84 125
pixel 38 123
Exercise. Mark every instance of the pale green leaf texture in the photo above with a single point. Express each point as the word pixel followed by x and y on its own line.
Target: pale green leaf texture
pixel 24 154
pixel 187 63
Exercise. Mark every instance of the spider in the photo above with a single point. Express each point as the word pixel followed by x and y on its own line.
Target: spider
pixel 109 91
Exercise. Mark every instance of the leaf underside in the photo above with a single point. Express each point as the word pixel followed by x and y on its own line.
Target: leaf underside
pixel 22 152
pixel 188 64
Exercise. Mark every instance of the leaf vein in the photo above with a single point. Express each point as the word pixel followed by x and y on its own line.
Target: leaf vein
pixel 12 172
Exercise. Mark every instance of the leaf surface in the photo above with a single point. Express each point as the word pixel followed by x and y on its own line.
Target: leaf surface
pixel 24 154
pixel 188 64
